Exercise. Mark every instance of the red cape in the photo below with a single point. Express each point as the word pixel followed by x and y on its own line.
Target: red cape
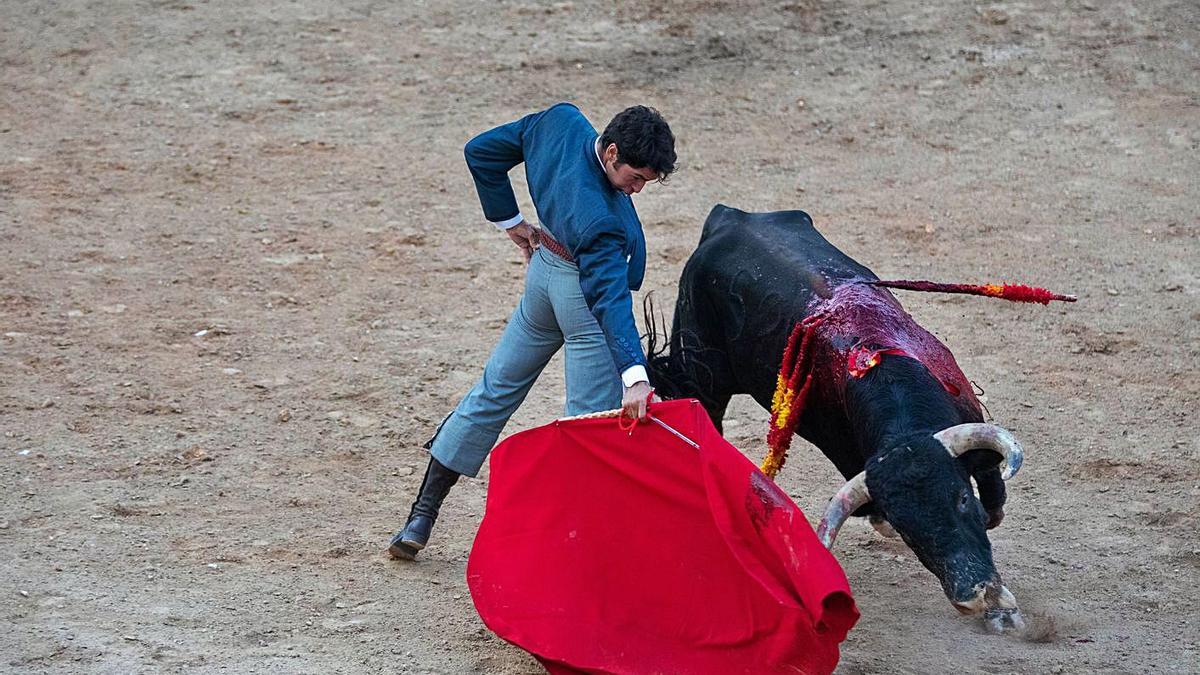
pixel 603 551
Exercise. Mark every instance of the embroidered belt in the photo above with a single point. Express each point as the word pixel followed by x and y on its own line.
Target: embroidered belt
pixel 552 245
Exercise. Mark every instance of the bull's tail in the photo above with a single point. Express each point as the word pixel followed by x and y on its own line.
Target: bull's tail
pixel 666 366
pixel 1014 292
pixel 658 349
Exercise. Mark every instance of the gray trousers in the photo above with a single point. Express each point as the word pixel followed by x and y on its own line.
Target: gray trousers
pixel 551 313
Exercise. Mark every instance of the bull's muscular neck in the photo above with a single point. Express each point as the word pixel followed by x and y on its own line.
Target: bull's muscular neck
pixel 897 399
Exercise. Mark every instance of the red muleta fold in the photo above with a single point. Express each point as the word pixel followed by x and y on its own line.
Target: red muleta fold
pixel 1013 292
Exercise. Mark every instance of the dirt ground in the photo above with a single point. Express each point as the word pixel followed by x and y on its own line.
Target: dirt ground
pixel 245 273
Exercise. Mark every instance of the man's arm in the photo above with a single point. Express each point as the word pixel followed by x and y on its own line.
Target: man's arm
pixel 604 280
pixel 490 156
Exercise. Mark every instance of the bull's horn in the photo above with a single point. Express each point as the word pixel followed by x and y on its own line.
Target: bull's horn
pixel 963 437
pixel 847 500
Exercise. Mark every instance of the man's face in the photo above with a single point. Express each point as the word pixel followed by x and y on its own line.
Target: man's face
pixel 626 178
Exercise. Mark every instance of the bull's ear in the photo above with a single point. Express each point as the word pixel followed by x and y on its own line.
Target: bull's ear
pixel 980 460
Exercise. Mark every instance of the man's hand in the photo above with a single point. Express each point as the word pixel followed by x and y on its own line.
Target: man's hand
pixel 525 237
pixel 634 401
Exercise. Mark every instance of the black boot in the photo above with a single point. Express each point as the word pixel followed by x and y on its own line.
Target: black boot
pixel 434 488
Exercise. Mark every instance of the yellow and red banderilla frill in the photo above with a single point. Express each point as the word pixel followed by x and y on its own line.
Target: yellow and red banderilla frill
pixel 791 390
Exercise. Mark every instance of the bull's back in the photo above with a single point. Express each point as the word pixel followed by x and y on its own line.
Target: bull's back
pixel 752 277
pixel 783 244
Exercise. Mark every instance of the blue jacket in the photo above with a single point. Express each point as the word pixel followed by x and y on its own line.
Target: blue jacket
pixel 578 206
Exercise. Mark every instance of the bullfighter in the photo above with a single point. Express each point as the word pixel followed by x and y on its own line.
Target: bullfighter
pixel 583 262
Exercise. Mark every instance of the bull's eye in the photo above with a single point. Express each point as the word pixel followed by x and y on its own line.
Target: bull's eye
pixel 963 501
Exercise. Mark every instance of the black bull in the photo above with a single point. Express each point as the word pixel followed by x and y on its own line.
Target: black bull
pixel 906 430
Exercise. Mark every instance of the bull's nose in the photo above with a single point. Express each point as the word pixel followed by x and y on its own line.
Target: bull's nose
pixel 1004 599
pixel 973 606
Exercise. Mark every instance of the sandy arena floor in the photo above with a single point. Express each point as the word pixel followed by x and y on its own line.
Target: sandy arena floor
pixel 245 272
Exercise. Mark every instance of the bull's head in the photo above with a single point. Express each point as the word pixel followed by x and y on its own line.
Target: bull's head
pixel 922 488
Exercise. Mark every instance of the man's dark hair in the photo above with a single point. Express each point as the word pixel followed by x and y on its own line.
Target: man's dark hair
pixel 644 140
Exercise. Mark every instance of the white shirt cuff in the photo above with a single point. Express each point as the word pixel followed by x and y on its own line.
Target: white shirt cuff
pixel 505 224
pixel 634 374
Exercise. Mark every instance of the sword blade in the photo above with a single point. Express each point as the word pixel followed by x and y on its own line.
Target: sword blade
pixel 671 429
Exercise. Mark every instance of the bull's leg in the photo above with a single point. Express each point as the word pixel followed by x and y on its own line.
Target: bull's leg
pixel 710 375
pixel 715 407
pixel 693 370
